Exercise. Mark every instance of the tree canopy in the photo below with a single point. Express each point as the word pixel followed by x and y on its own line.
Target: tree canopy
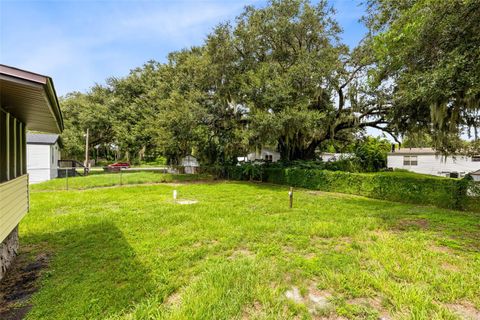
pixel 427 54
pixel 280 76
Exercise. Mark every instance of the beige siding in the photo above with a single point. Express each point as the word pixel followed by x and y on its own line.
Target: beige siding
pixel 13 204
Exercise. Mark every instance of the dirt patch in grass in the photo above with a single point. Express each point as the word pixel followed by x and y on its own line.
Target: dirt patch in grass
pixel 411 224
pixel 316 193
pixel 374 303
pixel 252 311
pixel 206 243
pixel 441 249
pixel 186 201
pixel 174 299
pixel 334 243
pixel 241 253
pixel 450 267
pixel 316 301
pixel 19 284
pixel 464 310
pixel 329 241
pixel 310 255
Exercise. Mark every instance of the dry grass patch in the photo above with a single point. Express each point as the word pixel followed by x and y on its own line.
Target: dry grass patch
pixel 411 224
pixel 317 302
pixel 442 249
pixel 450 267
pixel 253 311
pixel 373 303
pixel 174 299
pixel 207 243
pixel 241 253
pixel 464 310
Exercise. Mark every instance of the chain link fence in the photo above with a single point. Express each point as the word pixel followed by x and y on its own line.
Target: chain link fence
pixel 66 178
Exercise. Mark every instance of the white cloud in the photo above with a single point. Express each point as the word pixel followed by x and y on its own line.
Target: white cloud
pixel 80 43
pixel 88 42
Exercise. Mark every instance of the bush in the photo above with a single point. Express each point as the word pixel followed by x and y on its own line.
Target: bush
pixel 393 186
pixel 473 202
pixel 371 154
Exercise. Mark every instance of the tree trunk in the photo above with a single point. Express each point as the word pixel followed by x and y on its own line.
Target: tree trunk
pixel 295 152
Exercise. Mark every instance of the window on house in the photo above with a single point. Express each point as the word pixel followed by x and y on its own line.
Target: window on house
pixel 268 157
pixel 476 158
pixel 410 160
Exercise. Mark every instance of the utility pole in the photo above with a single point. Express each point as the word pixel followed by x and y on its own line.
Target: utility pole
pixel 86 150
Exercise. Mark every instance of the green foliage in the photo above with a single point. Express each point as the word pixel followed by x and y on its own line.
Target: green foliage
pixel 272 78
pixel 158 161
pixel 427 54
pixel 117 115
pixel 87 111
pixel 394 186
pixel 420 139
pixel 473 190
pixel 280 76
pixel 371 154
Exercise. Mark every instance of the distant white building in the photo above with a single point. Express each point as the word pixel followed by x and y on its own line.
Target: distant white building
pixel 428 161
pixel 326 157
pixel 190 163
pixel 476 175
pixel 264 154
pixel 43 153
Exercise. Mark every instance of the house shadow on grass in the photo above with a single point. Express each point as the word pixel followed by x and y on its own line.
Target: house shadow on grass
pixel 93 274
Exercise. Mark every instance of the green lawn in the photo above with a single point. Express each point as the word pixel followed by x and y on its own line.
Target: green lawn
pixel 130 252
pixel 115 179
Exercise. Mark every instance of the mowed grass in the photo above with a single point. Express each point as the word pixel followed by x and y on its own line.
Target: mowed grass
pixel 130 252
pixel 115 179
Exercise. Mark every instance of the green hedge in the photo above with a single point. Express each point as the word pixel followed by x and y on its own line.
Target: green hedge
pixel 394 186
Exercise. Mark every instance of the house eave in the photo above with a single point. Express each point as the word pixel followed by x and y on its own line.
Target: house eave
pixel 31 98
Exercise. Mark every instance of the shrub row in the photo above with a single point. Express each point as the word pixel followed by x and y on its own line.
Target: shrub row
pixel 394 186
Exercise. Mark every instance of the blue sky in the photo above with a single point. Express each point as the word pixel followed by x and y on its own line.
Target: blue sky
pixel 80 43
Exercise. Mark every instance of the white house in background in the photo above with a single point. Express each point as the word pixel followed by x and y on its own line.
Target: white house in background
pixel 264 154
pixel 428 161
pixel 327 157
pixel 273 156
pixel 190 163
pixel 476 175
pixel 43 153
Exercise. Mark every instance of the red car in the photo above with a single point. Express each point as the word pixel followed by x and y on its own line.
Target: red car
pixel 121 165
pixel 117 166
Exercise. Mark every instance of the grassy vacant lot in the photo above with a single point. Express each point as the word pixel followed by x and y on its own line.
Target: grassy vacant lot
pixel 240 253
pixel 115 179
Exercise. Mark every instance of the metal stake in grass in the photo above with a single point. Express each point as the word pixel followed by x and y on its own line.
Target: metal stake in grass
pixel 175 196
pixel 290 195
